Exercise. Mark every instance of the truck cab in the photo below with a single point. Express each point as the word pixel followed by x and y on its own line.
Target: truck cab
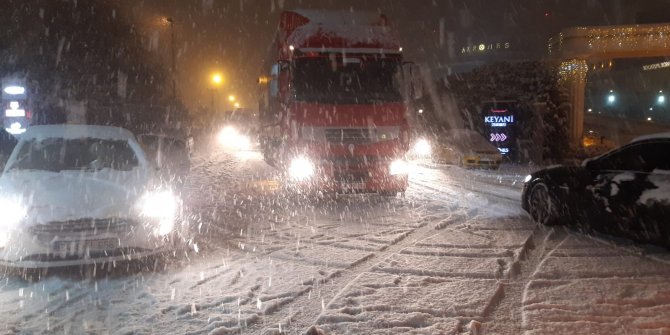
pixel 332 115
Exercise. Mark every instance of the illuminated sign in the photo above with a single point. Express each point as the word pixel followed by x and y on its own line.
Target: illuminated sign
pixel 655 66
pixel 498 137
pixel 15 129
pixel 15 113
pixel 14 90
pixel 499 121
pixel 482 47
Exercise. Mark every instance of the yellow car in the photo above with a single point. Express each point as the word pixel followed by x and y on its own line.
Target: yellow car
pixel 468 149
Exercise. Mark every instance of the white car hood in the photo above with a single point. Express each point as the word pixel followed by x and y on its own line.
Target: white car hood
pixel 71 195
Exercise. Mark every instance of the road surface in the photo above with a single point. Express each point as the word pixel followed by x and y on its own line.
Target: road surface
pixel 456 255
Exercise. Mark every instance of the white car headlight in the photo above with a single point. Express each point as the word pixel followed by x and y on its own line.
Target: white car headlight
pixel 398 167
pixel 12 212
pixel 162 206
pixel 422 148
pixel 527 179
pixel 301 169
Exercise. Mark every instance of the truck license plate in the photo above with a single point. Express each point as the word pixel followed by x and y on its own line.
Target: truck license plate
pixel 93 245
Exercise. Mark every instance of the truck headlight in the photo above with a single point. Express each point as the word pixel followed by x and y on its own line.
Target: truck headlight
pixel 161 206
pixel 301 169
pixel 398 167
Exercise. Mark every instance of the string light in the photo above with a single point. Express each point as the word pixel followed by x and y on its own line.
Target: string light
pixel 610 39
pixel 573 69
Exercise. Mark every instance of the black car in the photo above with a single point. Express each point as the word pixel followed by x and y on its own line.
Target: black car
pixel 624 192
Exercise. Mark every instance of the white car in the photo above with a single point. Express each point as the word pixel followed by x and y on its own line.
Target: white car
pixel 81 194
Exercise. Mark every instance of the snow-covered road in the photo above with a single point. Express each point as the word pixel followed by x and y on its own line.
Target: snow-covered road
pixel 457 255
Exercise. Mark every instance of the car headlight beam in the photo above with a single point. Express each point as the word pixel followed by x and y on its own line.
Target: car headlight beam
pixel 300 169
pixel 161 206
pixel 230 138
pixel 422 148
pixel 12 212
pixel 398 167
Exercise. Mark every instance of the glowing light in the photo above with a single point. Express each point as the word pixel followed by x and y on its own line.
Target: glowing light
pixel 573 69
pixel 649 119
pixel 611 98
pixel 160 205
pixel 400 49
pixel 231 98
pixel 527 179
pixel 661 99
pixel 16 129
pixel 237 105
pixel 15 90
pixel 482 47
pixel 12 212
pixel 14 105
pixel 422 148
pixel 420 111
pixel 290 47
pixel 590 110
pixel 15 113
pixel 217 79
pixel 230 138
pixel 301 169
pixel 398 167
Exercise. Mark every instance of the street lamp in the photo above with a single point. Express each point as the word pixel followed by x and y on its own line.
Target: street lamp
pixel 173 69
pixel 217 79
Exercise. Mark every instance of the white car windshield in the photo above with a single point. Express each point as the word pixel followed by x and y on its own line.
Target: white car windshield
pixel 58 154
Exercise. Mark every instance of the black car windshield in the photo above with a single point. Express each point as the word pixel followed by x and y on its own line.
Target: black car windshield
pixel 58 154
pixel 346 80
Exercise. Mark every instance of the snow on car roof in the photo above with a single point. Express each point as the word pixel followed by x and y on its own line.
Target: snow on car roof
pixel 665 135
pixel 71 131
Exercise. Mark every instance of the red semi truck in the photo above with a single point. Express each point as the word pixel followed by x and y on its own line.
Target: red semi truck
pixel 332 115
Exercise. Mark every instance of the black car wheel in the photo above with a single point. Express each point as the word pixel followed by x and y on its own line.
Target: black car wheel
pixel 541 205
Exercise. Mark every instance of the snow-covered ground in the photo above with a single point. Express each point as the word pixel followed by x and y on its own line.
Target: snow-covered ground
pixel 456 255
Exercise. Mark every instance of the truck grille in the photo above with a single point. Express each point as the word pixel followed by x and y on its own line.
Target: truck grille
pixel 353 161
pixel 351 176
pixel 349 135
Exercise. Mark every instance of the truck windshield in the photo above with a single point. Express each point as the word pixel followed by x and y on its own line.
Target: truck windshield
pixel 348 80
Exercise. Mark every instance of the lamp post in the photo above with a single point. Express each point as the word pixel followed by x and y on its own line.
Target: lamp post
pixel 170 21
pixel 217 80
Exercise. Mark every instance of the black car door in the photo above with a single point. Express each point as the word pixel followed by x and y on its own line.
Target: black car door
pixel 621 180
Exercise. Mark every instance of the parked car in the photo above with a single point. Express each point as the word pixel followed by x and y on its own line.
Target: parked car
pixel 623 192
pixel 170 153
pixel 79 194
pixel 466 148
